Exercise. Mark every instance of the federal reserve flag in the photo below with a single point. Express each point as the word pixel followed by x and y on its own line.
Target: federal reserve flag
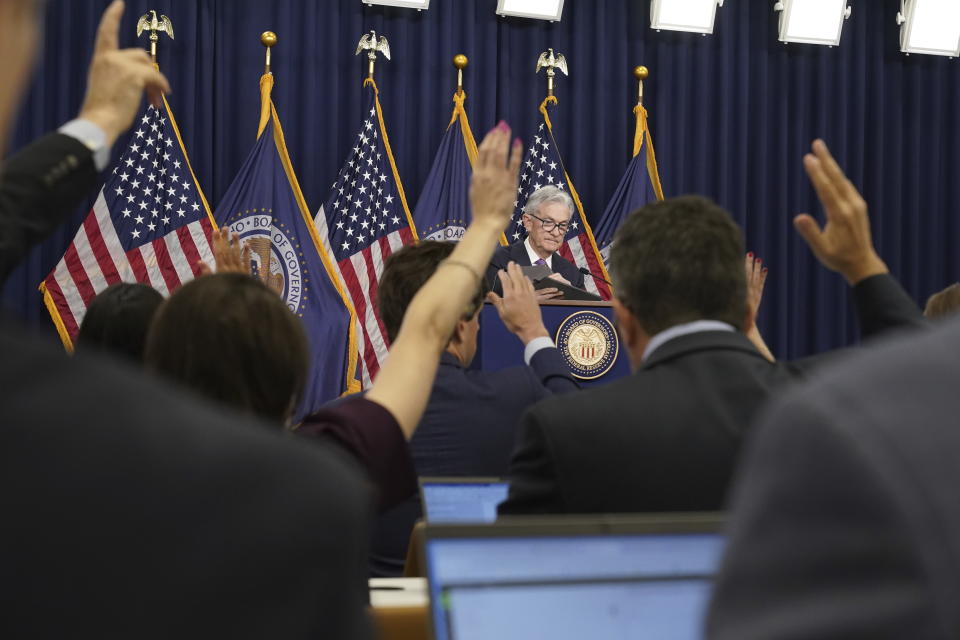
pixel 543 167
pixel 265 206
pixel 150 224
pixel 639 185
pixel 443 210
pixel 363 221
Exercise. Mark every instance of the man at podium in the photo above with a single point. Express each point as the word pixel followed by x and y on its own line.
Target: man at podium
pixel 546 217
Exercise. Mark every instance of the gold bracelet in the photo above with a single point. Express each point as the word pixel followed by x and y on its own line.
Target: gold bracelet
pixel 466 266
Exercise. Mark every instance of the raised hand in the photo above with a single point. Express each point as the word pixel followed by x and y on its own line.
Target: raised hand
pixel 844 244
pixel 756 279
pixel 519 308
pixel 231 255
pixel 493 188
pixel 118 78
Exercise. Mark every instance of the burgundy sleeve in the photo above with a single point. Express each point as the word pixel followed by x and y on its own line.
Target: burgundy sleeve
pixel 369 433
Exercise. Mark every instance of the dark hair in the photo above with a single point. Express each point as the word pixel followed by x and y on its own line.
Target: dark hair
pixel 118 318
pixel 944 302
pixel 404 273
pixel 230 338
pixel 680 260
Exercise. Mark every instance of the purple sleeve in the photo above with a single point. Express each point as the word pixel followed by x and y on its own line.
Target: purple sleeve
pixel 369 433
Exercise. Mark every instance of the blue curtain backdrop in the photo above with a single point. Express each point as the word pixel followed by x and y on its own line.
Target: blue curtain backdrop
pixel 731 115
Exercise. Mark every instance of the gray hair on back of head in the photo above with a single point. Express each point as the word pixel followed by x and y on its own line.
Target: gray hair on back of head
pixel 546 195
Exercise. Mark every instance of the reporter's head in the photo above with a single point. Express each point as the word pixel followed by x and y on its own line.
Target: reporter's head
pixel 117 320
pixel 19 39
pixel 229 337
pixel 677 261
pixel 405 272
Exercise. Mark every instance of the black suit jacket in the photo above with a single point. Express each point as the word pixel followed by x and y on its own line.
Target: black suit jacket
pixel 468 429
pixel 517 252
pixel 668 437
pixel 132 510
pixel 845 521
pixel 38 188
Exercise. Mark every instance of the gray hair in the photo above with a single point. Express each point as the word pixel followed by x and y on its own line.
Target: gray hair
pixel 546 195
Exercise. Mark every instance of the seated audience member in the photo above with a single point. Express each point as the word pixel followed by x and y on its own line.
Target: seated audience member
pixel 117 320
pixel 135 511
pixel 844 519
pixel 546 217
pixel 469 426
pixel 943 303
pixel 668 437
pixel 231 338
pixel 130 510
pixel 402 388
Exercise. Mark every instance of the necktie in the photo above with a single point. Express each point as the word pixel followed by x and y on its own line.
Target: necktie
pixel 540 261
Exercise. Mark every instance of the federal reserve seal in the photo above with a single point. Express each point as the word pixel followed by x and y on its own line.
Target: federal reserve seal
pixel 274 255
pixel 588 343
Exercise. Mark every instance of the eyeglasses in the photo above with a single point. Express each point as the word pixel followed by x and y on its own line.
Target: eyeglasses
pixel 550 225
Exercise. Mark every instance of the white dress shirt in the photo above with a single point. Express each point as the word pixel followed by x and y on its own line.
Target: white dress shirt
pixel 92 136
pixel 677 330
pixel 534 257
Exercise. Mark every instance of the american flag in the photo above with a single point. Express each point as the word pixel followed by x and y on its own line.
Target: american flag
pixel 150 224
pixel 543 167
pixel 362 222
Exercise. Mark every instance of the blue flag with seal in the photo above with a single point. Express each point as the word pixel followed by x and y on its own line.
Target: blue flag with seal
pixel 265 206
pixel 443 210
pixel 635 188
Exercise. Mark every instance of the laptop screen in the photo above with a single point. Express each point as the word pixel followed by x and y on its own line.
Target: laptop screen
pixel 452 501
pixel 582 586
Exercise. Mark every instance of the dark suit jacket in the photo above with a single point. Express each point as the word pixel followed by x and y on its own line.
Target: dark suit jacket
pixel 131 509
pixel 38 188
pixel 668 437
pixel 468 429
pixel 845 521
pixel 517 252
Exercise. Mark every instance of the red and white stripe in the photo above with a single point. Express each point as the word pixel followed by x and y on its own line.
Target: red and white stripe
pixel 579 251
pixel 360 275
pixel 96 259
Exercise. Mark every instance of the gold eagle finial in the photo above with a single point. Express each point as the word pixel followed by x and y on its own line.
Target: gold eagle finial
pixel 549 61
pixel 151 23
pixel 371 44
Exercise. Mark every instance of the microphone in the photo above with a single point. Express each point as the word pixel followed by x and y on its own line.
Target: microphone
pixel 587 272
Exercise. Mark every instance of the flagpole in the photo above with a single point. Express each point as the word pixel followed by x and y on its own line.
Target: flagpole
pixel 268 39
pixel 460 62
pixel 641 73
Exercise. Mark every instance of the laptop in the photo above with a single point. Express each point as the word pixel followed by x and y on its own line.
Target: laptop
pixel 462 499
pixel 610 577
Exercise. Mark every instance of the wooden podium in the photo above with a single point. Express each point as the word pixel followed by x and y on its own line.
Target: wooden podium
pixel 497 348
